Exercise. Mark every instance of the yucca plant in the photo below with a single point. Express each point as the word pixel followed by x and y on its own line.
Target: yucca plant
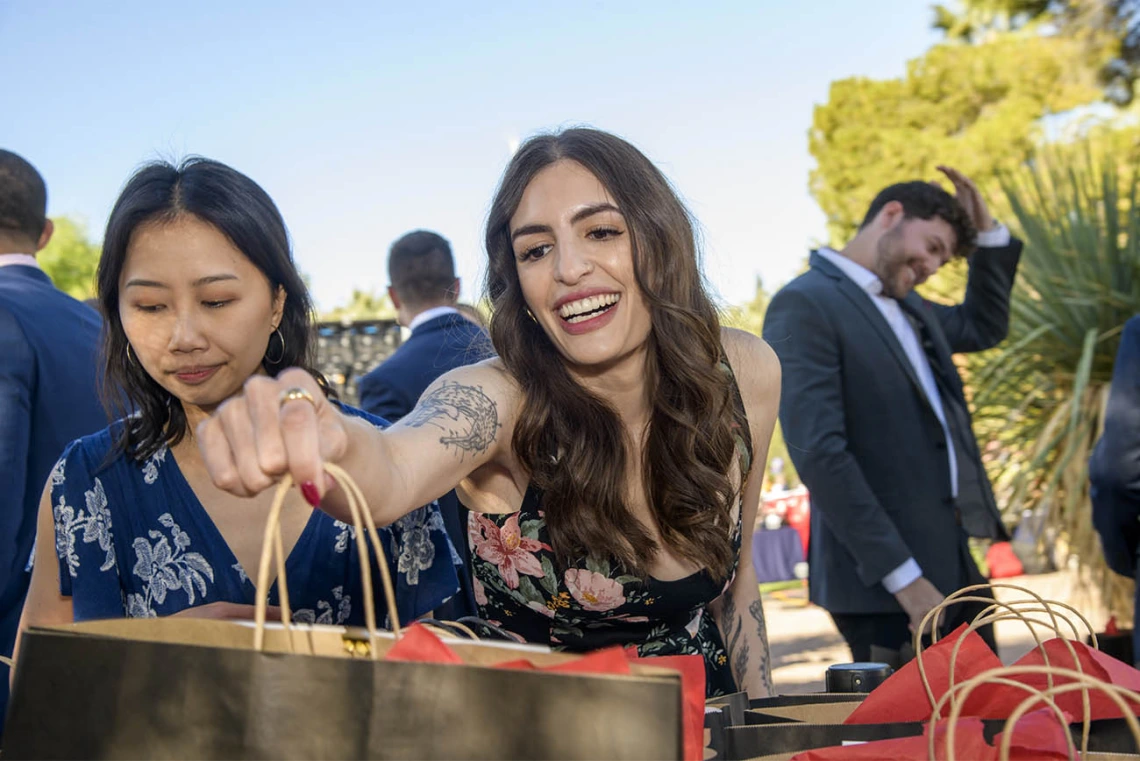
pixel 1039 398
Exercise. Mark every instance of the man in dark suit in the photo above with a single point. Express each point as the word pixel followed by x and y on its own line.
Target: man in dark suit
pixel 424 290
pixel 48 348
pixel 874 415
pixel 1114 470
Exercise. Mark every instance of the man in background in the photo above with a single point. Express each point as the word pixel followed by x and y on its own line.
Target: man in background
pixel 48 364
pixel 425 290
pixel 874 415
pixel 1114 470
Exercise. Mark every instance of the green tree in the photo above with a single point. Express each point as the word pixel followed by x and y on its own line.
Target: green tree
pixel 975 107
pixel 70 259
pixel 1108 31
pixel 363 305
pixel 750 317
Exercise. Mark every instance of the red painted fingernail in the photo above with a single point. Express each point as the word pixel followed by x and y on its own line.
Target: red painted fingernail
pixel 310 493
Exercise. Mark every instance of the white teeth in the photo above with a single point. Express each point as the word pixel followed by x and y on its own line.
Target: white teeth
pixel 576 311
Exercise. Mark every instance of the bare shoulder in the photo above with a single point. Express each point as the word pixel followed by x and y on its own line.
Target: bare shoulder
pixel 490 377
pixel 755 365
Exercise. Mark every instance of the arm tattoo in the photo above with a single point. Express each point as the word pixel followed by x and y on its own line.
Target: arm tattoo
pixel 735 641
pixel 468 418
pixel 756 608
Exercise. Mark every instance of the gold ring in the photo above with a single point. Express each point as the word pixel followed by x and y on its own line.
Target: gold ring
pixel 296 393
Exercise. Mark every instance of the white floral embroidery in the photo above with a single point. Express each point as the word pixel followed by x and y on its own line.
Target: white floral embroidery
pixel 95 521
pixel 347 534
pixel 150 468
pixel 412 542
pixel 343 610
pixel 57 474
pixel 240 572
pixel 163 570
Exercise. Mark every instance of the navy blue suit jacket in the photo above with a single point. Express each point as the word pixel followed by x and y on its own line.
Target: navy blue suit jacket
pixel 392 390
pixel 1114 469
pixel 439 345
pixel 48 348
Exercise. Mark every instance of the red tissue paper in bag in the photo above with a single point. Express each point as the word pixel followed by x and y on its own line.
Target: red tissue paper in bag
pixel 1037 737
pixel 420 644
pixel 998 701
pixel 902 697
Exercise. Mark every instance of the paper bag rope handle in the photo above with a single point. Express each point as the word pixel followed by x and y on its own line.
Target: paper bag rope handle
pixel 1080 681
pixel 993 615
pixel 1116 693
pixel 938 610
pixel 962 595
pixel 362 523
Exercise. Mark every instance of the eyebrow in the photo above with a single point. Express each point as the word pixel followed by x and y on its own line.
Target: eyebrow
pixel 583 213
pixel 199 282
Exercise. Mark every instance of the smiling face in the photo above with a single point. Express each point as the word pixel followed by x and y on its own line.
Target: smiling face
pixel 910 251
pixel 574 258
pixel 196 311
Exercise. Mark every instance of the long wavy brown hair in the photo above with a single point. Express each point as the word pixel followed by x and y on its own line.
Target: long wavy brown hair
pixel 571 441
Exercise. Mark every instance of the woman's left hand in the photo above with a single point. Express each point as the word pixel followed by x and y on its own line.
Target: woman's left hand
pixel 275 426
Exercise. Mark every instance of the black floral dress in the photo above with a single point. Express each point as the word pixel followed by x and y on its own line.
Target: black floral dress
pixel 520 588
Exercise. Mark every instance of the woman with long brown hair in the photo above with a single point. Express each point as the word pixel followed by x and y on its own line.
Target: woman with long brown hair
pixel 606 453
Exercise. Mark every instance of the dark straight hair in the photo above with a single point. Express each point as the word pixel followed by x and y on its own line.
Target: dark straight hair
pixel 241 210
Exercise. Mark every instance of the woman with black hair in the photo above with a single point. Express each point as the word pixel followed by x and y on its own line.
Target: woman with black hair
pixel 199 294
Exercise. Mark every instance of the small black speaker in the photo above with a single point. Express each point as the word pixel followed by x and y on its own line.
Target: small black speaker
pixel 856 677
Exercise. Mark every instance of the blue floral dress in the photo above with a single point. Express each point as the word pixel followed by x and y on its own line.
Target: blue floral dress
pixel 134 541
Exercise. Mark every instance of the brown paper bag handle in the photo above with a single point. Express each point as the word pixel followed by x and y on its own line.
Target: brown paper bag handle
pixel 363 524
pixel 441 628
pixel 992 615
pixel 957 597
pixel 993 676
pixel 1080 681
pixel 1116 693
pixel 962 595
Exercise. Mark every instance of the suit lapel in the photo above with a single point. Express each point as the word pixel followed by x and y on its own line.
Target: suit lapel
pixel 862 301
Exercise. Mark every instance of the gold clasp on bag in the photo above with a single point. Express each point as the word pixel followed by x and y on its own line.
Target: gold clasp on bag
pixel 356 643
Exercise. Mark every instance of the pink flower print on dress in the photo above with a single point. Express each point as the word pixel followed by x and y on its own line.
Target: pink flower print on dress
pixel 480 592
pixel 593 591
pixel 508 549
pixel 538 607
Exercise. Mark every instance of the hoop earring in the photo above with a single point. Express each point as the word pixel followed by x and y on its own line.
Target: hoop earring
pixel 281 356
pixel 530 314
pixel 130 359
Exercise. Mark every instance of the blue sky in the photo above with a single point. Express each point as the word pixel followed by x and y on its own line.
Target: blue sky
pixel 366 120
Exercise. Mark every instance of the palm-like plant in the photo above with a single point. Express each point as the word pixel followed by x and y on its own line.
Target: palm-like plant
pixel 1041 395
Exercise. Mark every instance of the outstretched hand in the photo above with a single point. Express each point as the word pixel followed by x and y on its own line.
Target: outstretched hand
pixel 971 199
pixel 275 426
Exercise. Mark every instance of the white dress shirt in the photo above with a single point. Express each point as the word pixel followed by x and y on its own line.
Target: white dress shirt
pixel 868 281
pixel 430 314
pixel 24 260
